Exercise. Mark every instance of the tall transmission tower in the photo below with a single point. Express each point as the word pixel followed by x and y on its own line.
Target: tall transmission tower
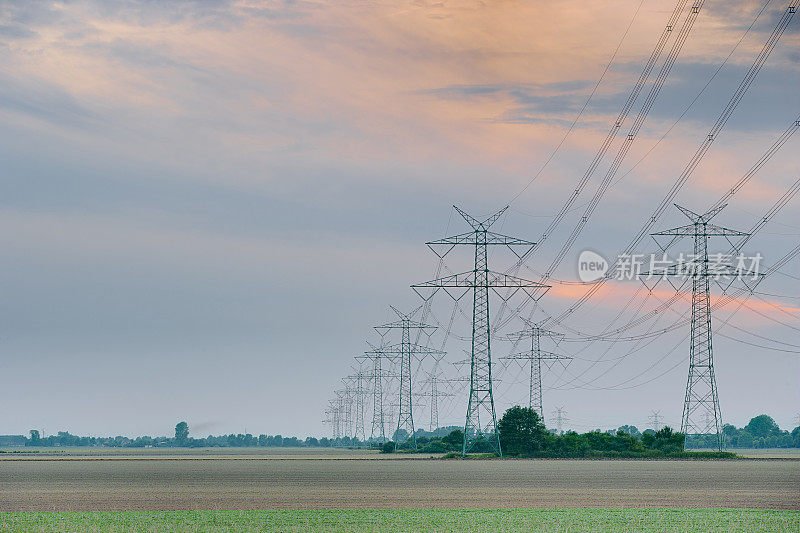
pixel 359 391
pixel 332 418
pixel 432 382
pixel 405 351
pixel 479 280
pixel 535 357
pixel 655 420
pixel 377 377
pixel 334 413
pixel 701 412
pixel 560 416
pixel 345 408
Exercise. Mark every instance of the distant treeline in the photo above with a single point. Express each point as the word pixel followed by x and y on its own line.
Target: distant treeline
pixel 64 438
pixel 761 432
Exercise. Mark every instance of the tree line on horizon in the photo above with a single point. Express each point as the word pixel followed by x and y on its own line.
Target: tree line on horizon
pixel 761 432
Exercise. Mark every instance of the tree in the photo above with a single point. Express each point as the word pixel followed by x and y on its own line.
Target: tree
pixel 182 433
pixel 665 440
pixel 629 430
pixel 388 447
pixel 762 426
pixel 522 433
pixel 455 440
pixel 35 440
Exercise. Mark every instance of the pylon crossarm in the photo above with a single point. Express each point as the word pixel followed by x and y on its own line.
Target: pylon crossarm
pixel 471 237
pixel 541 354
pixel 415 349
pixel 406 324
pixel 480 226
pixel 709 230
pixel 493 218
pixel 493 280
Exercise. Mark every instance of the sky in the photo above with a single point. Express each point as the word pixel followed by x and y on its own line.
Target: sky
pixel 208 204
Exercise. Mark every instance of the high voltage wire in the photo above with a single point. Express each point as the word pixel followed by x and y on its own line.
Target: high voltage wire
pixel 626 108
pixel 583 108
pixel 668 305
pixel 734 101
pixel 650 99
pixel 683 34
pixel 718 126
pixel 779 204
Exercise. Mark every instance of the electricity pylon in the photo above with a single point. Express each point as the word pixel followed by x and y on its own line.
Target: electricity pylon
pixel 332 418
pixel 377 377
pixel 358 391
pixel 335 412
pixel 432 381
pixel 405 351
pixel 701 412
pixel 561 416
pixel 655 420
pixel 535 357
pixel 345 410
pixel 479 281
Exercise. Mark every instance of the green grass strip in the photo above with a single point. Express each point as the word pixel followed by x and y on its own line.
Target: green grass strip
pixel 439 520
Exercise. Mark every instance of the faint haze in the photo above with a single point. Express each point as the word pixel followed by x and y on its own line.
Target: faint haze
pixel 207 205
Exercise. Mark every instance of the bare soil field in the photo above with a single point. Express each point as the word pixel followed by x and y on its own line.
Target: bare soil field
pixel 281 480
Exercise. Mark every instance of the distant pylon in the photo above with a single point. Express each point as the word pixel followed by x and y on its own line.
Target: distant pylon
pixel 535 357
pixel 345 408
pixel 332 418
pixel 479 280
pixel 701 412
pixel 655 420
pixel 377 377
pixel 560 418
pixel 335 417
pixel 405 351
pixel 433 381
pixel 358 391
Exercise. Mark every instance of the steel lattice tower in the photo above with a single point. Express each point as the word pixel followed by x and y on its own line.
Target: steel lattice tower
pixel 655 420
pixel 560 416
pixel 358 393
pixel 435 393
pixel 332 418
pixel 345 408
pixel 701 412
pixel 405 351
pixel 535 357
pixel 377 376
pixel 480 280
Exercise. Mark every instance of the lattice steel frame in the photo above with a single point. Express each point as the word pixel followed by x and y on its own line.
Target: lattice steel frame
pixel 480 280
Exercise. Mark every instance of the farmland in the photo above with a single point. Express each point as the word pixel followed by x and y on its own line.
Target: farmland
pixel 505 520
pixel 251 479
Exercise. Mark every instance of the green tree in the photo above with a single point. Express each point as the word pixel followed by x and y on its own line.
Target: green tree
pixel 522 433
pixel 35 440
pixel 665 440
pixel 388 447
pixel 762 426
pixel 182 433
pixel 455 440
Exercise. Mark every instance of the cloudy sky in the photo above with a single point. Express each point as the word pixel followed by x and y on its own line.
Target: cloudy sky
pixel 207 204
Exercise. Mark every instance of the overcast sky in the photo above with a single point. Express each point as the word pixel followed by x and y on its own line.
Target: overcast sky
pixel 206 205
